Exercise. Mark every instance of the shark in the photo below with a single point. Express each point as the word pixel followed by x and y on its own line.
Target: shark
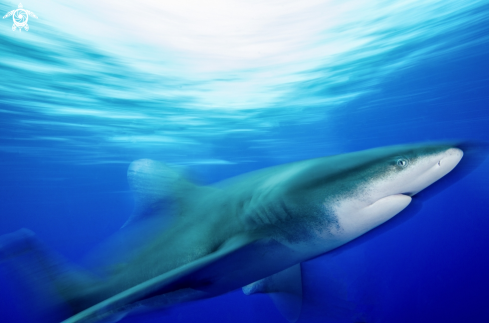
pixel 186 242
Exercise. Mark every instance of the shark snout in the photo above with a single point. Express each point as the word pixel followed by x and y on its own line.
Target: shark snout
pixel 450 158
pixel 436 167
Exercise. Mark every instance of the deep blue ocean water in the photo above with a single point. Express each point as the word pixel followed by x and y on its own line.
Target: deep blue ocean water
pixel 91 87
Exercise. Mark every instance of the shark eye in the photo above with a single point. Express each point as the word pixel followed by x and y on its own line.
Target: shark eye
pixel 402 162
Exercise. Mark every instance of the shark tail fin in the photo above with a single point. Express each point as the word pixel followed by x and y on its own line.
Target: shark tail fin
pixel 53 287
pixel 157 188
pixel 285 290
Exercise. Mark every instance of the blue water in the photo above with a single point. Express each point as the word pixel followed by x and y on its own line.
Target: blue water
pixel 223 88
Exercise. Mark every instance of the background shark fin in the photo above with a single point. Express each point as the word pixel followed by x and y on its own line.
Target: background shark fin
pixel 284 288
pixel 49 283
pixel 156 188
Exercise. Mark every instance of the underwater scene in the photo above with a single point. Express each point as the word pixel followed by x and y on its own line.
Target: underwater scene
pixel 244 161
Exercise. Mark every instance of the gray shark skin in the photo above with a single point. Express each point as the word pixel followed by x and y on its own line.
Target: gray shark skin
pixel 186 242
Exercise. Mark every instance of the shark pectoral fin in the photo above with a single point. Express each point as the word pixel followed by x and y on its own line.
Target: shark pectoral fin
pixel 285 290
pixel 155 186
pixel 161 285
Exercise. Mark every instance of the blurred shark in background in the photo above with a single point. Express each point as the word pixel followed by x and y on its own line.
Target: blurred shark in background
pixel 186 242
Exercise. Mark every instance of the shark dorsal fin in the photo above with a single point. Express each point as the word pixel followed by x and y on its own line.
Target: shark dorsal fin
pixel 155 186
pixel 285 290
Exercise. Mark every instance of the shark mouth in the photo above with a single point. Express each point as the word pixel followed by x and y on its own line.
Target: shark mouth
pixel 408 194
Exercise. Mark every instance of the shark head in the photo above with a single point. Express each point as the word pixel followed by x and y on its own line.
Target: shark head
pixel 358 191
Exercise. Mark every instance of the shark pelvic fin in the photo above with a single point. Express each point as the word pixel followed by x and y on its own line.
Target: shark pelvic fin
pixel 285 290
pixel 156 188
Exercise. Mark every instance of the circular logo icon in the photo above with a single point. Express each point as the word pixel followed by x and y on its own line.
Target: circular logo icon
pixel 20 18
